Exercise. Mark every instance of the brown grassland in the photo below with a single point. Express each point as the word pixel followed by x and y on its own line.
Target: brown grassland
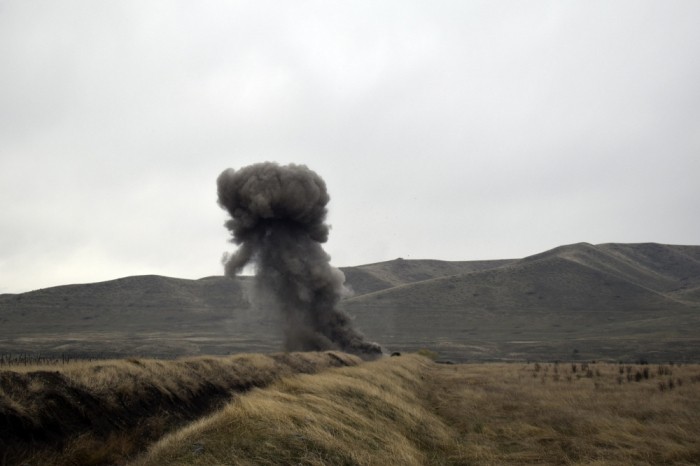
pixel 411 411
pixel 602 414
pixel 408 410
pixel 103 412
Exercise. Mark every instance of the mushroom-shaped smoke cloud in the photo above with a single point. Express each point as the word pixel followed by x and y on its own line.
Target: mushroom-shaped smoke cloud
pixel 278 222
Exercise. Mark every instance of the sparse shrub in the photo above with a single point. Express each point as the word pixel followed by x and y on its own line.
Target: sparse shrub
pixel 638 376
pixel 645 373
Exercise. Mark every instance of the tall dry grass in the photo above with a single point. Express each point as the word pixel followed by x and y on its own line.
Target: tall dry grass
pixel 373 414
pixel 410 411
pixel 103 412
pixel 405 411
pixel 602 414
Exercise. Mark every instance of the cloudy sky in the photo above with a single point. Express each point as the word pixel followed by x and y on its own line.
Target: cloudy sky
pixel 455 130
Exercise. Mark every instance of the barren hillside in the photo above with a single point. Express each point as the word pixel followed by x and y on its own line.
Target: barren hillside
pixel 615 301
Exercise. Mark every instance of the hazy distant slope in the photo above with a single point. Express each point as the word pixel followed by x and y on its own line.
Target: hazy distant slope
pixel 610 300
pixel 678 265
pixel 129 296
pixel 569 293
pixel 382 275
pixel 143 315
pixel 654 266
pixel 532 295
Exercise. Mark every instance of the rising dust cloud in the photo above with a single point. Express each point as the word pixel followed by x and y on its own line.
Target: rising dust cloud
pixel 278 215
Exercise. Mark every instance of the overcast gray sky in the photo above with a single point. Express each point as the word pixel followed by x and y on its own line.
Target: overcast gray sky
pixel 455 130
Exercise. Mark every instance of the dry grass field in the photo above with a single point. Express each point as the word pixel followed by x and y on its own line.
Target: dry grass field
pixel 408 410
pixel 103 412
pixel 603 414
pixel 375 414
pixel 411 411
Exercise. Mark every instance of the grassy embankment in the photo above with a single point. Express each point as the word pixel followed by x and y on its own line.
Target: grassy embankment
pixel 410 411
pixel 406 410
pixel 103 412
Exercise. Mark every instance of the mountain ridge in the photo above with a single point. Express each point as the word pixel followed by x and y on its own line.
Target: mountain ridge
pixel 623 299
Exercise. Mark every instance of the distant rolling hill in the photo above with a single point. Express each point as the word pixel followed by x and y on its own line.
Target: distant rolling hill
pixel 383 275
pixel 614 301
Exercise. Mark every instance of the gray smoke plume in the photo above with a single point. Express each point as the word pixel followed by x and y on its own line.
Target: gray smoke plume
pixel 278 222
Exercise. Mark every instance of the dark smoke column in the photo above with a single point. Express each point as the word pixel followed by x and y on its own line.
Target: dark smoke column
pixel 278 221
